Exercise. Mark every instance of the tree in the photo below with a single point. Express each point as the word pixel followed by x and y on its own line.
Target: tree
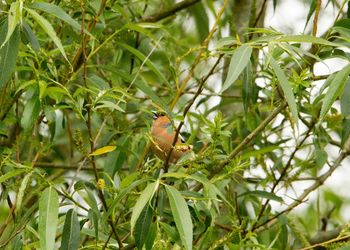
pixel 79 80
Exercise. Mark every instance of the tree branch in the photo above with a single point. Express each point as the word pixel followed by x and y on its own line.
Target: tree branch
pixel 176 8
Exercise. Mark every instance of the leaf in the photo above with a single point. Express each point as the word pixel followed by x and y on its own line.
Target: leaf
pixel 30 36
pixel 57 12
pixel 287 89
pixel 148 91
pixel 14 17
pixel 48 218
pixel 8 54
pixel 306 39
pixel 247 86
pixel 71 231
pixel 182 216
pixel 103 150
pixel 11 174
pixel 239 61
pixel 21 190
pixel 122 194
pixel 143 225
pixel 144 198
pixel 311 11
pixel 335 89
pixel 47 27
pixel 201 18
pixel 345 110
pixel 264 194
pixel 30 113
pixel 146 60
pixel 108 104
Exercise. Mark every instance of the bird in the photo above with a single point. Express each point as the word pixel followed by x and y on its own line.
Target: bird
pixel 162 137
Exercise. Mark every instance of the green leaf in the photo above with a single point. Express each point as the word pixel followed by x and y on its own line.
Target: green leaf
pixel 30 113
pixel 8 54
pixel 57 12
pixel 287 89
pixel 143 225
pixel 30 36
pixel 14 16
pixel 146 60
pixel 71 231
pixel 247 86
pixel 264 194
pixel 201 18
pixel 144 198
pixel 47 27
pixel 122 194
pixel 21 190
pixel 306 39
pixel 311 11
pixel 345 110
pixel 93 217
pixel 239 61
pixel 11 174
pixel 148 91
pixel 182 216
pixel 335 90
pixel 48 218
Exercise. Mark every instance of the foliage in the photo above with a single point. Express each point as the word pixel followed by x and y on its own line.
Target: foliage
pixel 79 80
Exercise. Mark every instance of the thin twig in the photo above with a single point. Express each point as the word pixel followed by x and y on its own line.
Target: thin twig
pixel 318 182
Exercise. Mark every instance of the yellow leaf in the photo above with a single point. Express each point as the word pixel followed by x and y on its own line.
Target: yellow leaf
pixel 103 150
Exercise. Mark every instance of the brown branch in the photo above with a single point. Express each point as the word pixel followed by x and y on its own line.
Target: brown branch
pixel 176 8
pixel 317 13
pixel 84 41
pixel 248 139
pixel 318 182
pixel 187 108
pixel 284 171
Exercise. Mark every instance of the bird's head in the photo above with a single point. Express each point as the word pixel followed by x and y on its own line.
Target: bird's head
pixel 161 120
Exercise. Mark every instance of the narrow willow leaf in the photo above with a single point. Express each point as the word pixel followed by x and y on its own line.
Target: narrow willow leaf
pixel 143 225
pixel 48 218
pixel 335 90
pixel 57 12
pixel 14 17
pixel 11 174
pixel 182 216
pixel 21 190
pixel 345 110
pixel 264 194
pixel 103 150
pixel 30 113
pixel 121 195
pixel 287 89
pixel 201 18
pixel 71 231
pixel 30 36
pixel 47 27
pixel 306 39
pixel 247 87
pixel 144 198
pixel 146 60
pixel 239 61
pixel 93 217
pixel 154 97
pixel 8 54
pixel 311 11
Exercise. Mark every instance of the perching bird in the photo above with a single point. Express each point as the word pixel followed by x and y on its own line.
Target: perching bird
pixel 163 134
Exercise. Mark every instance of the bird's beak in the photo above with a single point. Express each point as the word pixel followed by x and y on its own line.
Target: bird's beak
pixel 155 115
